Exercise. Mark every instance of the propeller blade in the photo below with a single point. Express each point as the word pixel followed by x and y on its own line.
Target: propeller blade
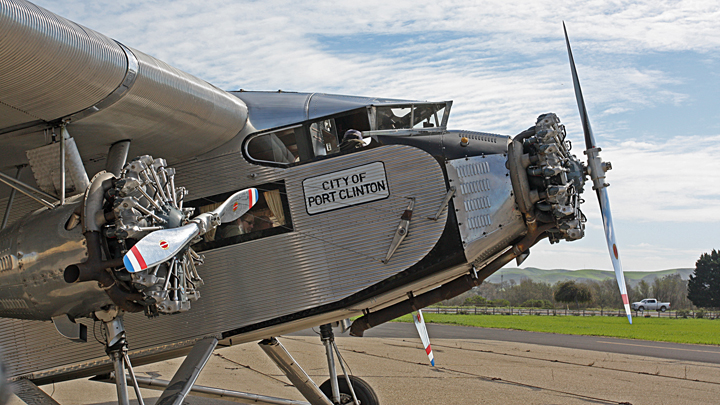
pixel 612 247
pixel 597 170
pixel 422 331
pixel 589 138
pixel 238 204
pixel 158 247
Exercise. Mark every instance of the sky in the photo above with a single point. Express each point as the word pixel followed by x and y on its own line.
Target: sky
pixel 650 73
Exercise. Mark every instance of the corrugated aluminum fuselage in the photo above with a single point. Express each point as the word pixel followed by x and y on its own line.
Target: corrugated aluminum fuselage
pixel 329 267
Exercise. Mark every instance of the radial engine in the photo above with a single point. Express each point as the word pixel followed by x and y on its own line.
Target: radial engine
pixel 52 253
pixel 547 179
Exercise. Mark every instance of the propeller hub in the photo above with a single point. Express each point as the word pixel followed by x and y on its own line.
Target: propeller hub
pixel 596 168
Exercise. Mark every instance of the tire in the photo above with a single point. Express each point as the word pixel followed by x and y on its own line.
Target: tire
pixel 363 391
pixel 641 308
pixel 662 309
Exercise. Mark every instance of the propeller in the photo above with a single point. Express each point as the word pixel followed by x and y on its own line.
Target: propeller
pixel 596 168
pixel 162 245
pixel 422 331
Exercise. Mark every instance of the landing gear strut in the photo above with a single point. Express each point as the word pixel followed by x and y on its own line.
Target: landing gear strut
pixel 182 382
pixel 351 389
pixel 116 347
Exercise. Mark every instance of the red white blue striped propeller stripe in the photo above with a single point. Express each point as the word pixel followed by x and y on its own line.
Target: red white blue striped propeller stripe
pixel 422 331
pixel 602 193
pixel 238 204
pixel 160 246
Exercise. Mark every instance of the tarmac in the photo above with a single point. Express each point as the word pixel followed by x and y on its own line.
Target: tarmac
pixel 467 371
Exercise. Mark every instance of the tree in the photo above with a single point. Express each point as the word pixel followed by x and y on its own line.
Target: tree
pixel 644 289
pixel 475 301
pixel 672 288
pixel 606 294
pixel 500 303
pixel 527 290
pixel 569 291
pixel 704 283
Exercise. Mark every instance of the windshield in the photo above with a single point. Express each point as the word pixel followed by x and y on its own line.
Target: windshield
pixel 416 115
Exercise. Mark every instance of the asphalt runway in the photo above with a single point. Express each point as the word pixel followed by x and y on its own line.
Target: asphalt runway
pixel 663 350
pixel 473 366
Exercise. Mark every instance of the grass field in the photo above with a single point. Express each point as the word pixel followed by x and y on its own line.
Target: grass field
pixel 698 331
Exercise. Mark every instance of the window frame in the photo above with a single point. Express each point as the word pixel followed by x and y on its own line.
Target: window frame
pixel 204 246
pixel 303 141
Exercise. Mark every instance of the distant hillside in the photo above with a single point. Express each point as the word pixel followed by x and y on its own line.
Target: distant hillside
pixel 553 276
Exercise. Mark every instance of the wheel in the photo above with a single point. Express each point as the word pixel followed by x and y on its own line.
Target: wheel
pixel 641 309
pixel 662 309
pixel 363 391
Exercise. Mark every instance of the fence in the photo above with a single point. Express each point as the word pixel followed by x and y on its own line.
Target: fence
pixel 568 312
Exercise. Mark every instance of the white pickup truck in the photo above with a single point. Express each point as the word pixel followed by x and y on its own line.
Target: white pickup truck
pixel 649 304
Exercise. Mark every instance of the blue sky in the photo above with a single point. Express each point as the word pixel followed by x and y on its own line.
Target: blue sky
pixel 650 73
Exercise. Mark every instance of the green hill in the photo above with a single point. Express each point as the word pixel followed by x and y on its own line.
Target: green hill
pixel 555 275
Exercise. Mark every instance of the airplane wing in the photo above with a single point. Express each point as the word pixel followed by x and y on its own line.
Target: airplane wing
pixel 422 331
pixel 104 91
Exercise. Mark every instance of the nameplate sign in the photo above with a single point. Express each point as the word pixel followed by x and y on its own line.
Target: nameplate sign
pixel 345 188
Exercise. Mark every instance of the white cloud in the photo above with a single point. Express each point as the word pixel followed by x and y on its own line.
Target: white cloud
pixel 677 180
pixel 502 62
pixel 592 253
pixel 619 26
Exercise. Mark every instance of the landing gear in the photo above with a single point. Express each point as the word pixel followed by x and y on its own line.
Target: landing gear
pixel 116 347
pixel 363 391
pixel 182 382
pixel 349 390
pixel 334 391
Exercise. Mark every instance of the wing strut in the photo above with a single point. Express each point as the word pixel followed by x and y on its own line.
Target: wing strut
pixel 188 372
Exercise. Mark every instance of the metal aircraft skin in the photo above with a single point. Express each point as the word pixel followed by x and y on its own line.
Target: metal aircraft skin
pixel 180 212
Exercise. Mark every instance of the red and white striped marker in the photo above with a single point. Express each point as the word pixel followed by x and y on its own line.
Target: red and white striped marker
pixel 422 331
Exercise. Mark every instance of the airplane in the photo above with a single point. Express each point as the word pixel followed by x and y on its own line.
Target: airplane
pixel 243 196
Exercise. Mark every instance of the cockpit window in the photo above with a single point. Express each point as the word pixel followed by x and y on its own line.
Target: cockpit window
pixel 426 115
pixel 305 142
pixel 275 147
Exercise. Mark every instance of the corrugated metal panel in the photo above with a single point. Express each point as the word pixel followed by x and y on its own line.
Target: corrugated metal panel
pixel 12 116
pixel 327 257
pixel 167 113
pixel 486 210
pixel 52 67
pixel 334 254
